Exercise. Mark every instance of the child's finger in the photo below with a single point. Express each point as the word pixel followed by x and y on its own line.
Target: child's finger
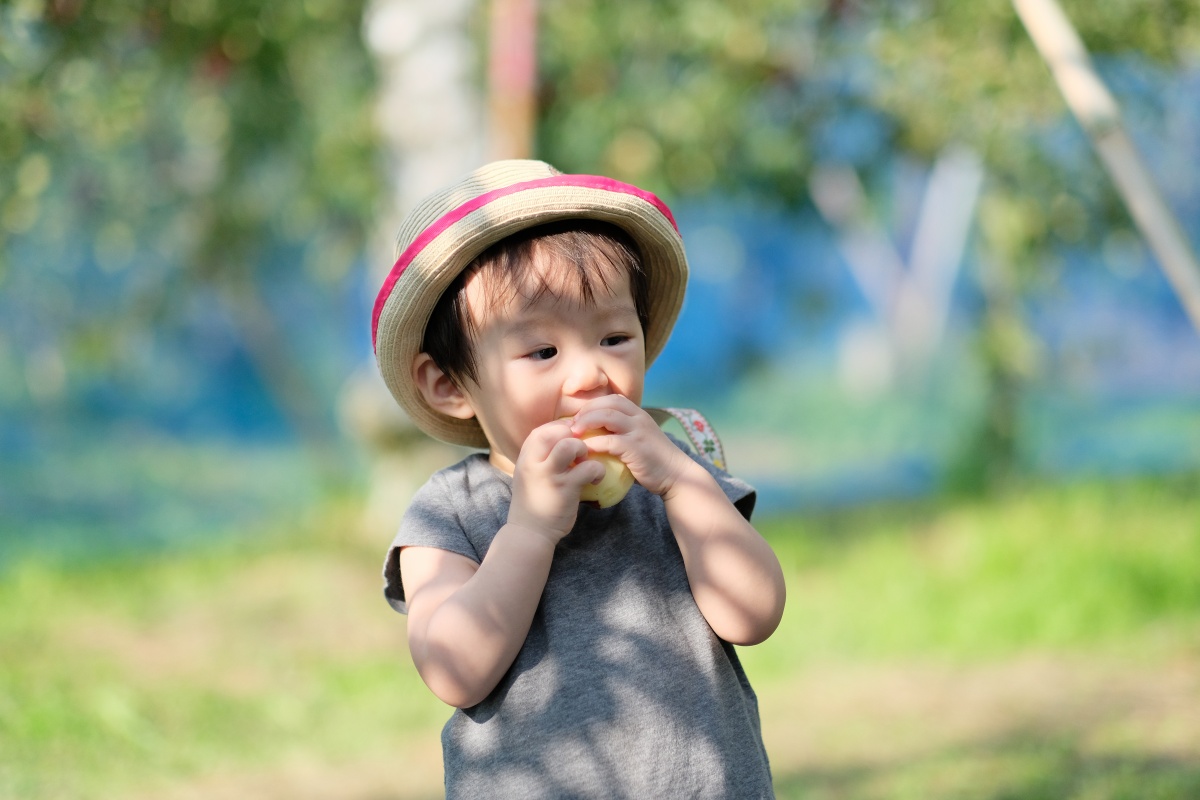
pixel 586 471
pixel 614 416
pixel 542 440
pixel 565 453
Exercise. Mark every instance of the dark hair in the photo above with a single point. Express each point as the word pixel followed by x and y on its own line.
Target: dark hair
pixel 590 250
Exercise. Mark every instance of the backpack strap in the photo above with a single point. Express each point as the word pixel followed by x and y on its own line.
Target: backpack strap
pixel 698 431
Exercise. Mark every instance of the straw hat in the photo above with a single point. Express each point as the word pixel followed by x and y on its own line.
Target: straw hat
pixel 447 230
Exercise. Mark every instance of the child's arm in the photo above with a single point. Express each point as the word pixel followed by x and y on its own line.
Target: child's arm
pixel 734 575
pixel 467 621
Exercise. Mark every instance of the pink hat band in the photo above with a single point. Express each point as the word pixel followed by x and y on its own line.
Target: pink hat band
pixel 454 215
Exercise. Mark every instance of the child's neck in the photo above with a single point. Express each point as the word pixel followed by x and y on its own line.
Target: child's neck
pixel 501 462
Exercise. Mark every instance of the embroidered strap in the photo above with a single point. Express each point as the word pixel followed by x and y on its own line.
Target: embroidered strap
pixel 698 431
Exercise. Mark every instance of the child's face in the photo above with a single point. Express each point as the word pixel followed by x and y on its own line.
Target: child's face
pixel 543 359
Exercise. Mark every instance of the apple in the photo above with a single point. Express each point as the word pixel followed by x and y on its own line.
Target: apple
pixel 616 482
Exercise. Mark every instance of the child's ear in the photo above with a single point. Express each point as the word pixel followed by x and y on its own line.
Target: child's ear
pixel 438 390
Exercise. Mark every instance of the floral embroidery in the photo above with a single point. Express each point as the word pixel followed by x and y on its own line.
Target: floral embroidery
pixel 701 434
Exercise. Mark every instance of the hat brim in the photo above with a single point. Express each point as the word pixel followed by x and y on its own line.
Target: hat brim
pixel 447 244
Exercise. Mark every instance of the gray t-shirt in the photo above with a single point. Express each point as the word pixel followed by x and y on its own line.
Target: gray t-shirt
pixel 621 689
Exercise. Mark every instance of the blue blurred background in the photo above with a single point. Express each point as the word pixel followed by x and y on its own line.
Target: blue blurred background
pixel 188 263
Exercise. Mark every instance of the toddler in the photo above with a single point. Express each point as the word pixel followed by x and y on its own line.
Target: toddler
pixel 588 652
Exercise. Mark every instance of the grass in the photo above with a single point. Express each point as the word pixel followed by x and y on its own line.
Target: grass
pixel 243 657
pixel 1027 767
pixel 1094 565
pixel 134 670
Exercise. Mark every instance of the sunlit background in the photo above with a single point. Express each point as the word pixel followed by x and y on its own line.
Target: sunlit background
pixel 916 284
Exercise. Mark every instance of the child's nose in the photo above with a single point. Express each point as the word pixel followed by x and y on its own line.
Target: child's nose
pixel 586 375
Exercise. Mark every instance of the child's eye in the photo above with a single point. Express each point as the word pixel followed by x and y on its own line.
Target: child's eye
pixel 614 340
pixel 544 353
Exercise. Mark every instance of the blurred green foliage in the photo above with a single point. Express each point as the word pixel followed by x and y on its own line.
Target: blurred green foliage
pixel 191 137
pixel 187 138
pixel 684 97
pixel 691 97
pixel 746 96
pixel 202 128
pixel 223 122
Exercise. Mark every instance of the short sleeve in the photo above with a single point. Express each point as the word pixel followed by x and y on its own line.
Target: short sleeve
pixel 741 494
pixel 430 521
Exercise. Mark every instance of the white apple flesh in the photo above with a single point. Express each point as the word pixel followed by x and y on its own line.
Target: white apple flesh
pixel 616 482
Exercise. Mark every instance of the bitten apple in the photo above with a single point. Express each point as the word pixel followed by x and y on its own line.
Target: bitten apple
pixel 616 482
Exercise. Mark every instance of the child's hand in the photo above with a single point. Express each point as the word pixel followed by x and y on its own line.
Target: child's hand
pixel 634 437
pixel 733 574
pixel 549 474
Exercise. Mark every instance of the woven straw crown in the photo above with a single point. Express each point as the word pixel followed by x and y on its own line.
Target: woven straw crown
pixel 448 230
